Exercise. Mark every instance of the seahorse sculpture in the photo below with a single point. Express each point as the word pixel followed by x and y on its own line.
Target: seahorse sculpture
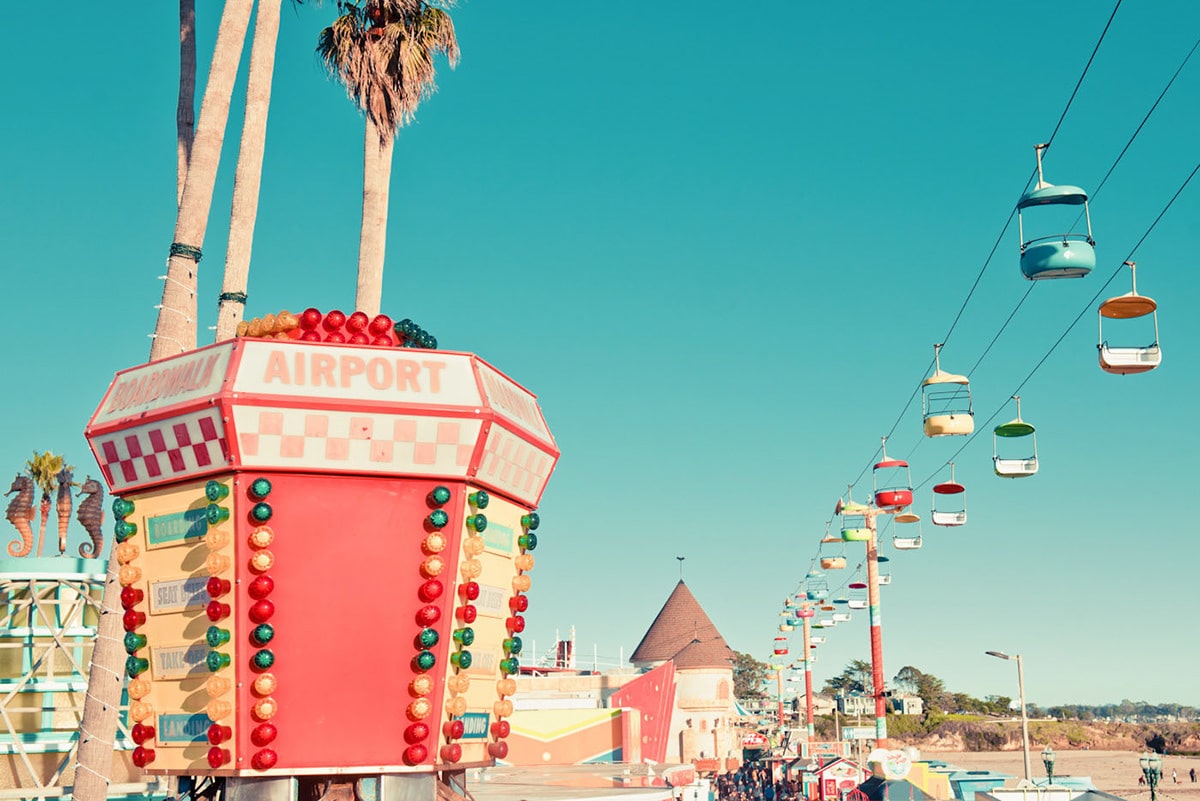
pixel 20 512
pixel 90 515
pixel 63 503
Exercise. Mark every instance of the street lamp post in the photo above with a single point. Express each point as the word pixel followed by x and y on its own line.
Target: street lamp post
pixel 1021 690
pixel 1048 760
pixel 1152 769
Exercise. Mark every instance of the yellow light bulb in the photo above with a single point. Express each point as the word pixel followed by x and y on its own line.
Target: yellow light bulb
pixel 456 705
pixel 261 537
pixel 421 685
pixel 140 710
pixel 420 709
pixel 503 709
pixel 217 563
pixel 265 709
pixel 262 561
pixel 216 686
pixel 127 552
pixel 433 566
pixel 138 689
pixel 217 710
pixel 473 545
pixel 471 568
pixel 506 687
pixel 216 539
pixel 521 583
pixel 434 543
pixel 265 684
pixel 129 575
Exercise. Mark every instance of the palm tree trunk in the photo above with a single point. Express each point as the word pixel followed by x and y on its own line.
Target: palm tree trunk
pixel 185 111
pixel 175 329
pixel 44 508
pixel 97 730
pixel 372 239
pixel 248 176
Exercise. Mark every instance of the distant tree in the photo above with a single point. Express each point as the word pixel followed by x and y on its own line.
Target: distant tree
pixel 749 676
pixel 926 686
pixel 855 678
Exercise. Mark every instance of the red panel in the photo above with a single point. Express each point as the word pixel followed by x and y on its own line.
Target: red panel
pixel 653 696
pixel 887 499
pixel 347 555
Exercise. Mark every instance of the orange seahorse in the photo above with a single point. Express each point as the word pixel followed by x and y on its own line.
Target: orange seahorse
pixel 20 512
pixel 90 514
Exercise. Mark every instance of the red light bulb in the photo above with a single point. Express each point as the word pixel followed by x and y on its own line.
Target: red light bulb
pixel 336 337
pixel 333 321
pixel 131 597
pixel 216 611
pixel 500 729
pixel 515 624
pixel 359 339
pixel 217 757
pixel 264 759
pixel 217 587
pixel 453 729
pixel 518 603
pixel 310 336
pixel 263 734
pixel 416 732
pixel 451 753
pixel 310 318
pixel 132 619
pixel 381 342
pixel 218 734
pixel 469 590
pixel 466 614
pixel 357 322
pixel 415 754
pixel 428 615
pixel 430 590
pixel 142 756
pixel 381 325
pixel 141 733
pixel 261 611
pixel 261 587
pixel 498 750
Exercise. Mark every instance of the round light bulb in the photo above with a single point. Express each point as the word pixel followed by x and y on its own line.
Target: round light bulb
pixel 265 684
pixel 262 536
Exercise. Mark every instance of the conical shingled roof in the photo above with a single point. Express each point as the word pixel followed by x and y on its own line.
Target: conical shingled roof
pixel 683 631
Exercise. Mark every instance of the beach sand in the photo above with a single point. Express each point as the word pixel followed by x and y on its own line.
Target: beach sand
pixel 1115 772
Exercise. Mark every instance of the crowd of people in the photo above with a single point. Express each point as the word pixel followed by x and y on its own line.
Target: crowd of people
pixel 753 782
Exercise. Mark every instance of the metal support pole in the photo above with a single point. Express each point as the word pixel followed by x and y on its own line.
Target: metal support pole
pixel 876 621
pixel 808 684
pixel 1024 716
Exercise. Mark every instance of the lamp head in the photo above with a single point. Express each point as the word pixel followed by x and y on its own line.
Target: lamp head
pixel 1048 756
pixel 998 654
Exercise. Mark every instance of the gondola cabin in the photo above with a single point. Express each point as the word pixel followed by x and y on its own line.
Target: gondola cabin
pixel 883 578
pixel 833 562
pixel 786 627
pixel 949 502
pixel 946 402
pixel 1014 433
pixel 841 617
pixel 1125 360
pixel 904 538
pixel 803 613
pixel 781 646
pixel 892 483
pixel 1071 254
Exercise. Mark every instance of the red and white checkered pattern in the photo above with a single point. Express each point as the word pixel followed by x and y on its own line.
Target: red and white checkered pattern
pixel 176 447
pixel 514 466
pixel 354 441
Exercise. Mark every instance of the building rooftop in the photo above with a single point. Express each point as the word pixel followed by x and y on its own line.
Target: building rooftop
pixel 682 626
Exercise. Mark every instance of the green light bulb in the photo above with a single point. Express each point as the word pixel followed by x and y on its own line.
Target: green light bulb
pixel 261 512
pixel 216 514
pixel 134 641
pixel 513 645
pixel 135 666
pixel 461 659
pixel 216 636
pixel 464 636
pixel 260 488
pixel 426 660
pixel 428 638
pixel 123 530
pixel 263 659
pixel 527 541
pixel 478 499
pixel 531 521
pixel 263 633
pixel 477 522
pixel 216 660
pixel 122 508
pixel 509 666
pixel 438 518
pixel 439 495
pixel 215 491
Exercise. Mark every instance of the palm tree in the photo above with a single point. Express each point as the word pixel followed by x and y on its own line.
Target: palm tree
pixel 43 468
pixel 185 111
pixel 382 51
pixel 248 175
pixel 175 329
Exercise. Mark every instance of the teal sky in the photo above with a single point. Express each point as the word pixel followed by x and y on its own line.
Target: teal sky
pixel 719 243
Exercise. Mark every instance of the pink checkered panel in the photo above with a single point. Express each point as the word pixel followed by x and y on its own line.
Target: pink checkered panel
pixel 513 466
pixel 354 442
pixel 177 447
